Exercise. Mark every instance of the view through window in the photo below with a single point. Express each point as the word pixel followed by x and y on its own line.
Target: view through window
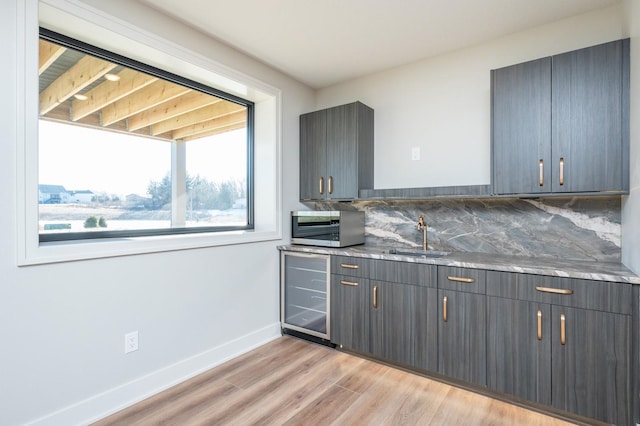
pixel 129 150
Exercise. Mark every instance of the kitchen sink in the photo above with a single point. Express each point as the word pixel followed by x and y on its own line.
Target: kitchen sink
pixel 419 253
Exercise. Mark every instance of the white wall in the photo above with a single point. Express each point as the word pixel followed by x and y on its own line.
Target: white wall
pixel 62 325
pixel 631 204
pixel 442 104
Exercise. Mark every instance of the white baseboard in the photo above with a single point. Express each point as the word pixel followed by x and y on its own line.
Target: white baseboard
pixel 106 403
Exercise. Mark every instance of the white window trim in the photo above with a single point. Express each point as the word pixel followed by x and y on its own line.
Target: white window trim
pixel 93 26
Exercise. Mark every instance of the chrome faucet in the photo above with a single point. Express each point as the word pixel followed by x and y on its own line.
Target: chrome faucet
pixel 422 226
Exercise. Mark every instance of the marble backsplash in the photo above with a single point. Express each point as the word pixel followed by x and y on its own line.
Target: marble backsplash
pixel 575 228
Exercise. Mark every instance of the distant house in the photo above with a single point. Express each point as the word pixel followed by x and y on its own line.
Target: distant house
pixel 83 196
pixel 52 194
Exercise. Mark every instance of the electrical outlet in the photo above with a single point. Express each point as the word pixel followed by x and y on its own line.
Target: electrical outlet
pixel 415 153
pixel 130 342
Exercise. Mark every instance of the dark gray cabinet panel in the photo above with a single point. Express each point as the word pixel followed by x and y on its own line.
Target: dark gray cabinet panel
pixel 591 371
pixel 462 279
pixel 561 124
pixel 336 152
pixel 588 120
pixel 462 336
pixel 521 128
pixel 518 358
pixel 403 324
pixel 350 310
pixel 313 155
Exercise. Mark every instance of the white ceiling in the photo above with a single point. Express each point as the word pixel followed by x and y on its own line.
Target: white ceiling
pixel 324 42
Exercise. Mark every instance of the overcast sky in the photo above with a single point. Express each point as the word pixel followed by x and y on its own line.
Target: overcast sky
pixel 83 158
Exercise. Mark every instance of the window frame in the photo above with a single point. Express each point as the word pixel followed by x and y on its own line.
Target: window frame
pixel 83 47
pixel 197 57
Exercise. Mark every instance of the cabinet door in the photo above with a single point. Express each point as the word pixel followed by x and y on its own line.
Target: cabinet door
pixel 403 324
pixel 521 128
pixel 350 304
pixel 313 155
pixel 461 336
pixel 588 119
pixel 519 348
pixel 342 152
pixel 591 371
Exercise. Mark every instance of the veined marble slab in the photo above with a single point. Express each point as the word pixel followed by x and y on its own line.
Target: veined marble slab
pixel 588 270
pixel 577 228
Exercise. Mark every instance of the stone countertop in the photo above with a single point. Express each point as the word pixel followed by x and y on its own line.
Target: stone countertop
pixel 600 271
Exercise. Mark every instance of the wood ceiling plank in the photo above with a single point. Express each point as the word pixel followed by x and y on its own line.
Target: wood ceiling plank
pixel 47 54
pixel 83 73
pixel 213 132
pixel 197 116
pixel 213 124
pixel 147 98
pixel 110 91
pixel 173 108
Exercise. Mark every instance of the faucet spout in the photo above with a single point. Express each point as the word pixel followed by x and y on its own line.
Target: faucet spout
pixel 422 226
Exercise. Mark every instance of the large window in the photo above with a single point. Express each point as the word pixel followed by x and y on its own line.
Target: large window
pixel 126 149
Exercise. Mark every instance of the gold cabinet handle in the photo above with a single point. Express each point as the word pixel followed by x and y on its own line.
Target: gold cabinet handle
pixel 461 279
pixel 348 266
pixel 561 171
pixel 351 283
pixel 539 324
pixel 554 290
pixel 444 308
pixel 330 184
pixel 375 297
pixel 541 178
pixel 563 334
pixel 321 184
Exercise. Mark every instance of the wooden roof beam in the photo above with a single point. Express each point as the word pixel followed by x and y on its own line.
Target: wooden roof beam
pixel 173 108
pixel 83 73
pixel 147 98
pixel 214 132
pixel 110 91
pixel 47 54
pixel 213 124
pixel 197 116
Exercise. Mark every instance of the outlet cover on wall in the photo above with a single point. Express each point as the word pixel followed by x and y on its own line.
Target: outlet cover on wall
pixel 130 342
pixel 415 153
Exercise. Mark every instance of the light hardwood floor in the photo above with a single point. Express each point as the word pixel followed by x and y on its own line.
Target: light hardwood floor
pixel 294 382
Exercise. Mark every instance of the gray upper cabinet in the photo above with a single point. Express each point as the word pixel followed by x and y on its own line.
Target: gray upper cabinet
pixel 521 126
pixel 561 124
pixel 336 152
pixel 590 144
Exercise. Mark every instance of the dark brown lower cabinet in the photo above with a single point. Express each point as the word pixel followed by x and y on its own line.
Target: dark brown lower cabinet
pixel 462 336
pixel 403 324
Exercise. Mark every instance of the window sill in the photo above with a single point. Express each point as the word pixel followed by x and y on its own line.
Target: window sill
pixel 67 251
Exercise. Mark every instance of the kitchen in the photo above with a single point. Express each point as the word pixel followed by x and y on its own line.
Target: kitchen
pixel 67 327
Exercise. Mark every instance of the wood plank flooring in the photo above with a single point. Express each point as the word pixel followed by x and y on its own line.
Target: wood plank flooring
pixel 293 382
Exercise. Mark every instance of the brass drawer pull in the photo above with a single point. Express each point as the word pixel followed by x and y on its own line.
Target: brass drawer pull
pixel 541 179
pixel 321 185
pixel 330 184
pixel 444 308
pixel 563 334
pixel 539 324
pixel 561 171
pixel 375 297
pixel 349 266
pixel 554 290
pixel 351 283
pixel 461 280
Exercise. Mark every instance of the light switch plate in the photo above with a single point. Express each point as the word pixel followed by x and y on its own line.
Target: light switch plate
pixel 415 153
